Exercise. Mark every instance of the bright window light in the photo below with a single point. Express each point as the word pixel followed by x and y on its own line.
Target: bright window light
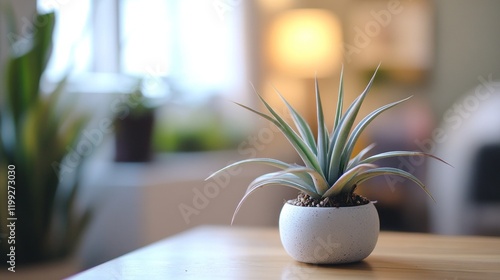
pixel 72 47
pixel 185 43
pixel 145 37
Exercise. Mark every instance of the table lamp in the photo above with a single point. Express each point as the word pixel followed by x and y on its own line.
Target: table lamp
pixel 304 44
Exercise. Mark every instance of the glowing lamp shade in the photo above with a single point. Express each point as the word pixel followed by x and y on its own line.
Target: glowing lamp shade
pixel 303 42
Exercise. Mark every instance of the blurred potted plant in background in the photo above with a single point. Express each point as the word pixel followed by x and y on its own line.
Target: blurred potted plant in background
pixel 134 129
pixel 36 135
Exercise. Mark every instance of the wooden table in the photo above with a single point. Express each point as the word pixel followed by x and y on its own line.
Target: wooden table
pixel 256 253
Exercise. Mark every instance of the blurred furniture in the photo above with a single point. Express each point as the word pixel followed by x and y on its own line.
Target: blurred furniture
pixel 467 194
pixel 485 180
pixel 256 253
pixel 140 203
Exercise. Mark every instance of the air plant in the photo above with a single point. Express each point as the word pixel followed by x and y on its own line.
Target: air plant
pixel 330 172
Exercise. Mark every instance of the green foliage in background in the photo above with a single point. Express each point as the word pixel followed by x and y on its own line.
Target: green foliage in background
pixel 36 134
pixel 201 129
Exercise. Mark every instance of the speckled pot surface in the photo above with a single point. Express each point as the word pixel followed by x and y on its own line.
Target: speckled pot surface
pixel 329 235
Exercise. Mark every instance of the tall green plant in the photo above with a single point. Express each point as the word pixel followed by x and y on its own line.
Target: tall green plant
pixel 35 133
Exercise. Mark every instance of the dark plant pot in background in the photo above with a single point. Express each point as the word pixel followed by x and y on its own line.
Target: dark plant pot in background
pixel 133 138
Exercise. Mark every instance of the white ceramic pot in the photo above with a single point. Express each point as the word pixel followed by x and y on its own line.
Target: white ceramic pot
pixel 329 235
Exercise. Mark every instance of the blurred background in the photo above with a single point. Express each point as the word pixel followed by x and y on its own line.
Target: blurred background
pixel 156 80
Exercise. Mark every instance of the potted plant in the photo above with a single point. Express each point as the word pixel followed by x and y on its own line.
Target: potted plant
pixel 328 223
pixel 39 219
pixel 133 131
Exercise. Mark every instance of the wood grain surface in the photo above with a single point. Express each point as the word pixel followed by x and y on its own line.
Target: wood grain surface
pixel 213 252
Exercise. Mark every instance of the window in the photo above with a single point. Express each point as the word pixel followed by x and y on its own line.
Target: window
pixel 185 42
pixel 72 47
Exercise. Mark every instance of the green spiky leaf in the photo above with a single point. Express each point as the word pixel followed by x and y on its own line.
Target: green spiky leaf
pixel 301 124
pixel 353 138
pixel 345 184
pixel 266 161
pixel 340 100
pixel 389 171
pixel 276 179
pixel 322 132
pixel 341 135
pixel 320 184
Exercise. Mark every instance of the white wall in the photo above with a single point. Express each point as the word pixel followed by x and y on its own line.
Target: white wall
pixel 467 46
